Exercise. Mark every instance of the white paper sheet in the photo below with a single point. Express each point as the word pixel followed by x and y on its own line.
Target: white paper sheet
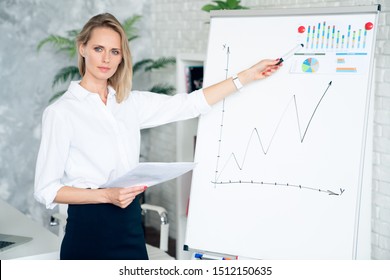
pixel 150 174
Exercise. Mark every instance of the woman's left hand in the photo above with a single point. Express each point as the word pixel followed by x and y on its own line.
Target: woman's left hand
pixel 265 68
pixel 122 197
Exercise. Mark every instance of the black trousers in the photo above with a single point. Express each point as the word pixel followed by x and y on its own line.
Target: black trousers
pixel 104 232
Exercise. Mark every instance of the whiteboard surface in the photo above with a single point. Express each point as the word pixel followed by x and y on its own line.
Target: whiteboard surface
pixel 279 168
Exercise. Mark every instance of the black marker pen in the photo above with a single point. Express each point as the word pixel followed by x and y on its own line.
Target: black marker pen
pixel 289 54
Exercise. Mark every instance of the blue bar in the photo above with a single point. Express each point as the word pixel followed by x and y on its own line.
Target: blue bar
pixel 351 53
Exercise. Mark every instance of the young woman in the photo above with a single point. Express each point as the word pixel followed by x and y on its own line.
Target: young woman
pixel 92 134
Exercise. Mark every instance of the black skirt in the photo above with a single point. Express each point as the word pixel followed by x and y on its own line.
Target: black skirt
pixel 104 232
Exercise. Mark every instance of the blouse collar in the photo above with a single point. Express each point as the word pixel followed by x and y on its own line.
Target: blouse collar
pixel 78 91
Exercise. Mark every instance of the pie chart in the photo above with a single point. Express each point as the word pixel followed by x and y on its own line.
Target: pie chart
pixel 310 65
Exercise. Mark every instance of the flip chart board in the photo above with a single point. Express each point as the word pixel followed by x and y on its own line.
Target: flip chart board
pixel 283 166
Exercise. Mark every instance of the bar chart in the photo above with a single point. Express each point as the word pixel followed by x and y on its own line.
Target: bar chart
pixel 323 36
pixel 332 48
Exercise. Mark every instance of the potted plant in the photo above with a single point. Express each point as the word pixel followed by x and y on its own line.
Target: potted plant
pixel 224 5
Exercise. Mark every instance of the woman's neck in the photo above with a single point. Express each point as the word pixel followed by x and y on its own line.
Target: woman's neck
pixel 100 88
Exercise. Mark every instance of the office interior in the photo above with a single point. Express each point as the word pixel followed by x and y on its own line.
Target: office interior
pixel 167 28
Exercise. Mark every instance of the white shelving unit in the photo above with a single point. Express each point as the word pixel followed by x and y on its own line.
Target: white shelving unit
pixel 185 147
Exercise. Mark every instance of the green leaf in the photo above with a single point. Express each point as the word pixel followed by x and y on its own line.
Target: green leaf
pixel 62 44
pixel 142 63
pixel 71 51
pixel 65 74
pixel 232 3
pixel 73 33
pixel 163 88
pixel 160 63
pixel 151 64
pixel 129 27
pixel 210 7
pixel 242 8
pixel 132 38
pixel 56 96
pixel 222 5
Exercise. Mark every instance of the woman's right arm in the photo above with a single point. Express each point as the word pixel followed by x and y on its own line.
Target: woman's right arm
pixel 52 157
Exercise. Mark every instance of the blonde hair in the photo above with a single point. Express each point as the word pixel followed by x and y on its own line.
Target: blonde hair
pixel 121 81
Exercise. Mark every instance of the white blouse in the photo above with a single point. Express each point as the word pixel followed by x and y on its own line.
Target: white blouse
pixel 86 143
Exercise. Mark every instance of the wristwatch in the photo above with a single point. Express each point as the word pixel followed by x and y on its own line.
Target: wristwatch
pixel 237 82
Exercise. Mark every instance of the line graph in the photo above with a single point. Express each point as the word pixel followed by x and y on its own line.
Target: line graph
pixel 322 190
pixel 255 135
pixel 293 100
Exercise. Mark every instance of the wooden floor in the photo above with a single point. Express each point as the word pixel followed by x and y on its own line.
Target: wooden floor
pixel 152 237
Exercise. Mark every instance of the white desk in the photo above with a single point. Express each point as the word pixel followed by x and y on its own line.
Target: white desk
pixel 45 244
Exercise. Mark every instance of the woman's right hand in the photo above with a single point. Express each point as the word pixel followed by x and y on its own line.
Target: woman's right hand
pixel 122 197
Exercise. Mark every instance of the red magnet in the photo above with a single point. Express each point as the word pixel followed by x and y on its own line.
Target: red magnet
pixel 369 25
pixel 301 29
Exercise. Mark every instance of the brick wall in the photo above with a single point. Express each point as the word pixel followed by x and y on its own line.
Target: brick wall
pixel 381 165
pixel 179 27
